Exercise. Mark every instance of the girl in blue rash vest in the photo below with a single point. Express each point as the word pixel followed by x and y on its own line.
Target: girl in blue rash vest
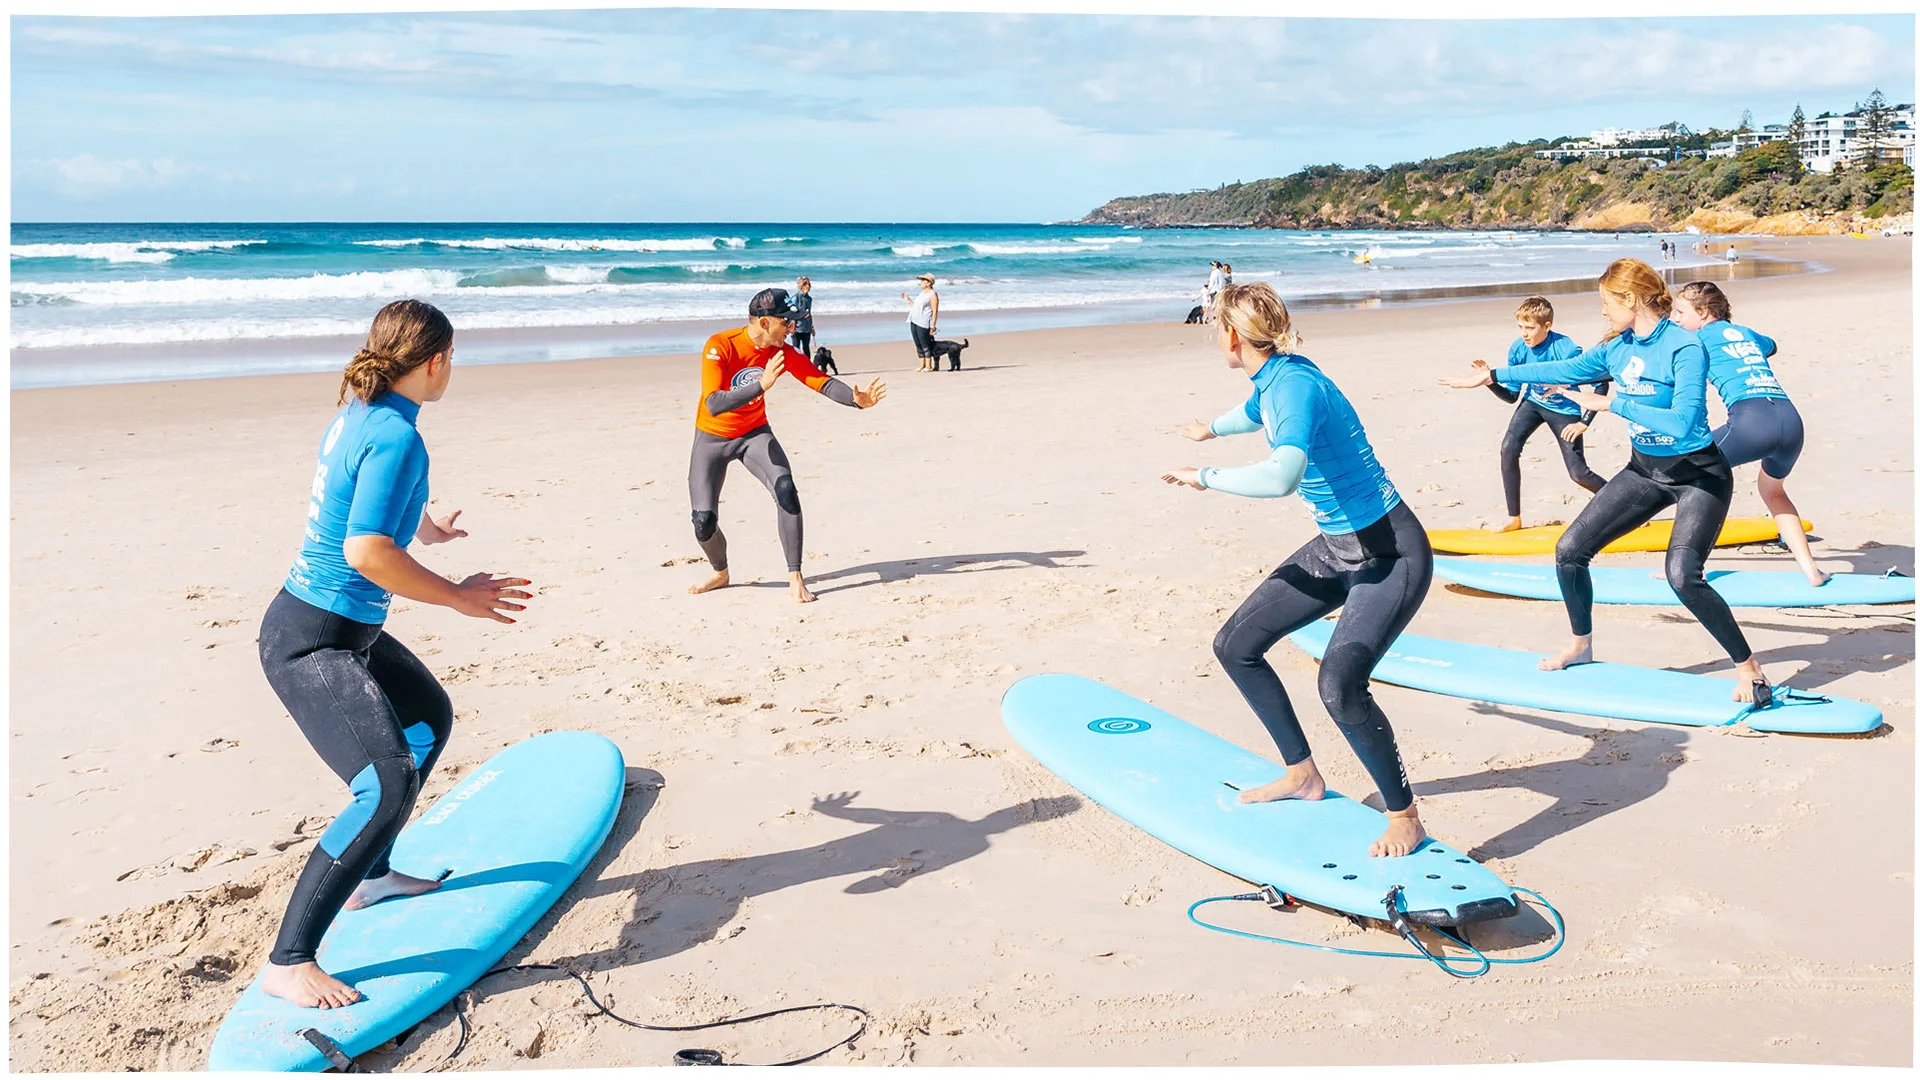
pixel 371 709
pixel 1371 559
pixel 1659 374
pixel 1762 425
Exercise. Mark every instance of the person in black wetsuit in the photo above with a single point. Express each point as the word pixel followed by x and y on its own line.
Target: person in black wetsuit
pixel 371 709
pixel 1370 559
pixel 1539 344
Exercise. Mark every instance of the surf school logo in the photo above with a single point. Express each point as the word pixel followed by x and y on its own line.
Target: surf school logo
pixel 747 376
pixel 1118 725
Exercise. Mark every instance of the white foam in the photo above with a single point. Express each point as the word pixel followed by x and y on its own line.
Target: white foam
pixel 535 243
pixel 133 251
pixel 393 284
pixel 912 251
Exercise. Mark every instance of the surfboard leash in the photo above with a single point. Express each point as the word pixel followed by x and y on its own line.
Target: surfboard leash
pixel 1394 903
pixel 692 1056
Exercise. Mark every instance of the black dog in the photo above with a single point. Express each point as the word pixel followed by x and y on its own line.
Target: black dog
pixel 950 350
pixel 1194 315
pixel 823 359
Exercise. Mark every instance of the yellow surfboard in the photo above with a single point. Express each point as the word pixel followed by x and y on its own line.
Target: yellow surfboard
pixel 1539 540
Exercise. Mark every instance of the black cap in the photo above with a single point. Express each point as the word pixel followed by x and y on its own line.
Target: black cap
pixel 772 302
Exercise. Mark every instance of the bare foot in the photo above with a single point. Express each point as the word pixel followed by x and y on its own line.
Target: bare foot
pixel 1816 577
pixel 1404 833
pixel 797 585
pixel 307 986
pixel 374 890
pixel 717 581
pixel 1580 652
pixel 1302 781
pixel 1744 676
pixel 1512 524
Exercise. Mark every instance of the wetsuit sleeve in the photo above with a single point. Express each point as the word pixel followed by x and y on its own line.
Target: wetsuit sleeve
pixel 1278 475
pixel 1689 396
pixel 389 473
pixel 816 380
pixel 725 401
pixel 1503 392
pixel 1240 420
pixel 835 390
pixel 1586 367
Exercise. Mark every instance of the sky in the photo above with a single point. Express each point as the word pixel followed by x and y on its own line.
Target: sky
pixel 793 115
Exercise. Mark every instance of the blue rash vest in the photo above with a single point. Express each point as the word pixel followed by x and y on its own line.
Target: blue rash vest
pixel 1659 385
pixel 1737 362
pixel 1555 347
pixel 371 481
pixel 1298 406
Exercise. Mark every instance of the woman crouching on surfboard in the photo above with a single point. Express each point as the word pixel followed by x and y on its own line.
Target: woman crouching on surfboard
pixel 1371 558
pixel 371 709
pixel 1762 424
pixel 1659 373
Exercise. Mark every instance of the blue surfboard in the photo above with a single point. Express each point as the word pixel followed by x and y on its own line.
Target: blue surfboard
pixel 1182 785
pixel 1620 691
pixel 1621 585
pixel 513 835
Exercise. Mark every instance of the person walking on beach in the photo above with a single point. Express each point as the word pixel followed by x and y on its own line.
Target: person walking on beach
pixel 1216 280
pixel 1762 424
pixel 803 317
pixel 370 708
pixel 1371 559
pixel 737 368
pixel 1538 344
pixel 923 319
pixel 1659 374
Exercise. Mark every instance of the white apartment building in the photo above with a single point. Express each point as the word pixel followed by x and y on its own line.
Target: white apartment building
pixel 1832 140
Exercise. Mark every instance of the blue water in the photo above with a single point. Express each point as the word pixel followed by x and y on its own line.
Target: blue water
pixel 99 303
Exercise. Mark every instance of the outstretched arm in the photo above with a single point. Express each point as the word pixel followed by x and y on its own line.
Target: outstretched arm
pixel 1278 475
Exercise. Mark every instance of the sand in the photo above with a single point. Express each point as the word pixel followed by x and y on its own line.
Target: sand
pixel 1730 895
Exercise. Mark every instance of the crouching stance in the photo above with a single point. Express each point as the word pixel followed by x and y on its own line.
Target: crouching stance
pixel 736 371
pixel 1371 559
pixel 371 709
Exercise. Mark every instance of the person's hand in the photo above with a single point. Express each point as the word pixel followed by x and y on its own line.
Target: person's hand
pixel 1482 376
pixel 1197 430
pixel 440 531
pixel 1189 477
pixel 484 596
pixel 1572 432
pixel 1587 399
pixel 870 396
pixel 775 368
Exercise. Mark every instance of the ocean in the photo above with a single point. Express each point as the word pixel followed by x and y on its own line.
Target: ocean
pixel 94 303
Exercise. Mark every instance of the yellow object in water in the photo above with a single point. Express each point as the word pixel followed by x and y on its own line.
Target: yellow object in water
pixel 1540 540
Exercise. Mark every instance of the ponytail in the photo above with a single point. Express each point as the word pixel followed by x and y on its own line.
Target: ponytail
pixel 405 335
pixel 1636 283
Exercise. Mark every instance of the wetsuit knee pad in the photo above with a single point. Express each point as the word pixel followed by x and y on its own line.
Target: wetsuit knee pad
pixel 1343 682
pixel 382 793
pixel 705 524
pixel 786 495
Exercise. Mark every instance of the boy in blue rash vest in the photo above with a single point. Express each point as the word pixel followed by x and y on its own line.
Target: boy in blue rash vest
pixel 1762 424
pixel 1660 387
pixel 1371 559
pixel 371 709
pixel 1538 344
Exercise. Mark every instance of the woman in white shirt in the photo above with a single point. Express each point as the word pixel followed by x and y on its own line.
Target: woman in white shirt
pixel 922 317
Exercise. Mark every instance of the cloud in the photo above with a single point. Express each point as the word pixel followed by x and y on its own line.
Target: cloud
pixel 84 175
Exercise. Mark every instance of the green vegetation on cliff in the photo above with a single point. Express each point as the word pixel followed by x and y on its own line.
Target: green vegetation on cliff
pixel 1508 187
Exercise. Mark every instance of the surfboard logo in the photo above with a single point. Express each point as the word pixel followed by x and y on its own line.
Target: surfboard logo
pixel 1118 725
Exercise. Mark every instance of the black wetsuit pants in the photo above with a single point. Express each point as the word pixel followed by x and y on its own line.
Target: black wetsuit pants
pixel 1377 577
pixel 1699 486
pixel 767 461
pixel 379 720
pixel 1527 418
